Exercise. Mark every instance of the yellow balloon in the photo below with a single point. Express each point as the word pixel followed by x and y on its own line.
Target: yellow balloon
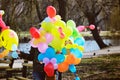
pixel 57 43
pixel 47 26
pixel 58 17
pixel 9 38
pixel 42 32
pixel 0 43
pixel 68 31
pixel 60 23
pixel 39 40
pixel 55 32
pixel 81 48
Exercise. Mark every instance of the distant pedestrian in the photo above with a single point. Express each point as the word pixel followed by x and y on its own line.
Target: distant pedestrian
pixel 94 54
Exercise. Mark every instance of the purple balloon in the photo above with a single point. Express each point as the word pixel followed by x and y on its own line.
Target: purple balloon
pixel 46 60
pixel 53 60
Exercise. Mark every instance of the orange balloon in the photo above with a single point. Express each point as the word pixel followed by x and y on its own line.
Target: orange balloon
pixel 77 61
pixel 62 67
pixel 70 59
pixel 4 53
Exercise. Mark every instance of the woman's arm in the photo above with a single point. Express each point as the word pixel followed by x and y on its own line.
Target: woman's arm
pixel 26 55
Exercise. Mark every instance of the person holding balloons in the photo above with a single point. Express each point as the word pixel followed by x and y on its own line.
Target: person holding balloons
pixel 38 71
pixel 38 67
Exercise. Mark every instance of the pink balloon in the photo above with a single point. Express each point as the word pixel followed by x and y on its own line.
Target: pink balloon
pixel 80 28
pixel 55 66
pixel 42 47
pixel 49 37
pixel 92 27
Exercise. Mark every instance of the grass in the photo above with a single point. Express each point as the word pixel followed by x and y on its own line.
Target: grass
pixel 99 68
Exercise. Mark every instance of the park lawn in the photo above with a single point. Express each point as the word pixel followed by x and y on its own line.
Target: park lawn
pixel 97 68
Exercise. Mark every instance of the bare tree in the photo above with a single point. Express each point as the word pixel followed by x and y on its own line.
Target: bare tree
pixel 38 10
pixel 114 20
pixel 62 9
pixel 92 11
pixel 13 9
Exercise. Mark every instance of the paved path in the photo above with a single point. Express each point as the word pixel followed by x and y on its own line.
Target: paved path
pixel 109 50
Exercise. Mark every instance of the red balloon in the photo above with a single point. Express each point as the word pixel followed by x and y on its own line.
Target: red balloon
pixel 34 32
pixel 49 69
pixel 2 23
pixel 51 11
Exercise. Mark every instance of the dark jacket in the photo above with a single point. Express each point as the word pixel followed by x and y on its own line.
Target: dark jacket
pixel 33 56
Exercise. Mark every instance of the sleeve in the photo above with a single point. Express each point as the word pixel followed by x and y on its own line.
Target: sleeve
pixel 28 56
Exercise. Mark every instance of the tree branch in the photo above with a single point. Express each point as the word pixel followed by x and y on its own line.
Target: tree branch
pixel 97 13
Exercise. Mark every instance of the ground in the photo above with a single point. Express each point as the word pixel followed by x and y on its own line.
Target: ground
pixel 105 67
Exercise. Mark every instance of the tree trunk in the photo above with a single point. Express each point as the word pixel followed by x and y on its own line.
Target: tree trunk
pixel 95 32
pixel 38 10
pixel 98 39
pixel 62 9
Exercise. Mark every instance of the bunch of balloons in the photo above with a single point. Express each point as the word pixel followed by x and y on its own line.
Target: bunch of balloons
pixel 8 39
pixel 60 43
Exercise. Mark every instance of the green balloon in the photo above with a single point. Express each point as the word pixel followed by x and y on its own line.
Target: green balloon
pixel 75 33
pixel 71 23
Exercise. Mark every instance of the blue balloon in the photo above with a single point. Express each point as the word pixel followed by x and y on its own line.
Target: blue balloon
pixel 41 56
pixel 14 47
pixel 60 58
pixel 77 78
pixel 80 41
pixel 76 52
pixel 50 53
pixel 14 54
pixel 64 51
pixel 72 68
pixel 47 19
pixel 50 50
